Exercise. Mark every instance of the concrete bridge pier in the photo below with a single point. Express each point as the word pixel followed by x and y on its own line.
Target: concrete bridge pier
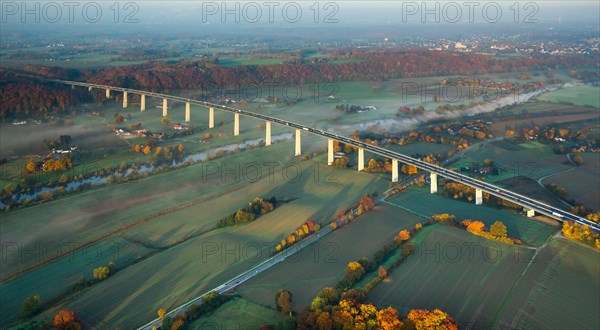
pixel 394 170
pixel 236 124
pixel 124 100
pixel 361 159
pixel 142 102
pixel 478 196
pixel 298 142
pixel 433 184
pixel 268 133
pixel 89 88
pixel 165 108
pixel 329 151
pixel 187 111
pixel 211 117
pixel 529 212
pixel 108 93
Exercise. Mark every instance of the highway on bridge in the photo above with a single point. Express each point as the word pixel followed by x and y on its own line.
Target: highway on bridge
pixel 537 206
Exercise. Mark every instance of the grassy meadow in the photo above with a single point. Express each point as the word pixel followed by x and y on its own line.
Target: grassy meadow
pixel 240 313
pixel 420 201
pixel 579 95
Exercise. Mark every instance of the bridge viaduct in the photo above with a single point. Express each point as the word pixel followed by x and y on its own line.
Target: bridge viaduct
pixel 531 206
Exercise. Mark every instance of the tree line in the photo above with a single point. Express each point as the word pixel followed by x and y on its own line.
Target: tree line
pixel 22 97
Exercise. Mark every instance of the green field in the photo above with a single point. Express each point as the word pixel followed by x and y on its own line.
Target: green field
pixel 323 263
pixel 420 201
pixel 560 290
pixel 522 166
pixel 57 278
pixel 581 183
pixel 531 159
pixel 85 61
pixel 306 194
pixel 347 60
pixel 189 269
pixel 240 313
pixel 540 113
pixel 83 216
pixel 459 273
pixel 422 148
pixel 317 197
pixel 578 95
pixel 230 61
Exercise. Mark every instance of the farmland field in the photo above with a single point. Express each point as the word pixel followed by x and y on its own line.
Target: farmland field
pixel 28 139
pixel 560 290
pixel 101 210
pixel 521 166
pixel 56 278
pixel 308 196
pixel 581 183
pixel 579 95
pixel 459 273
pixel 531 159
pixel 230 61
pixel 307 191
pixel 421 148
pixel 540 113
pixel 240 314
pixel 192 267
pixel 323 263
pixel 420 201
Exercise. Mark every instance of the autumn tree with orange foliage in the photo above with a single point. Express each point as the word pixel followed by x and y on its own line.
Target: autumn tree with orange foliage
pixel 382 272
pixel 444 218
pixel 354 271
pixel 374 166
pixel 52 165
pixel 307 228
pixel 30 167
pixel 424 319
pixel 367 202
pixel 388 319
pixel 66 319
pixel 350 312
pixel 498 233
pixel 409 169
pixel 403 235
pixel 147 150
pixel 136 148
pixel 473 226
pixel 582 233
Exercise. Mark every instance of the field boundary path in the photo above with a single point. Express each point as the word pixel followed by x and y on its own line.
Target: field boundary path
pixel 557 173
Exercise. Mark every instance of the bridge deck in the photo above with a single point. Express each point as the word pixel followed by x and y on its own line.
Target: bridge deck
pixel 537 206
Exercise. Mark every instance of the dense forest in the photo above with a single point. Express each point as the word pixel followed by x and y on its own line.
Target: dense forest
pixel 22 97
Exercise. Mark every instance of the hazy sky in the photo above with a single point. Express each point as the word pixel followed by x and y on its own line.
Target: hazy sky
pixel 215 15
